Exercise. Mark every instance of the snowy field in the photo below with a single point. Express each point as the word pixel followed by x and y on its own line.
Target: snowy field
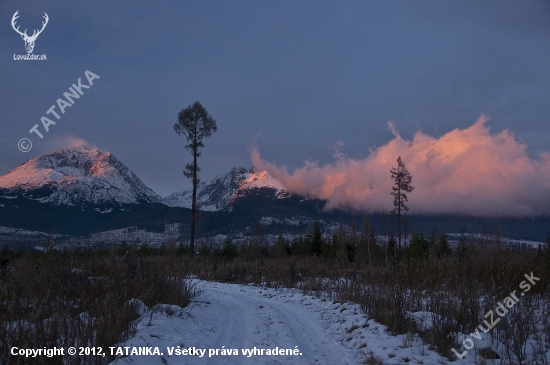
pixel 235 319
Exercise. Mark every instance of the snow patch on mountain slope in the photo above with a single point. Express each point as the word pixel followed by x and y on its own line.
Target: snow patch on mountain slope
pixel 75 176
pixel 184 199
pixel 261 180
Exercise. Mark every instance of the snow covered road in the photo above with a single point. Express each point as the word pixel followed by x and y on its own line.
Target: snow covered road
pixel 229 320
pixel 235 317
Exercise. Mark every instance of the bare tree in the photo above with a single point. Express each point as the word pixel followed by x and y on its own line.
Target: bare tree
pixel 366 236
pixel 384 230
pixel 402 185
pixel 195 124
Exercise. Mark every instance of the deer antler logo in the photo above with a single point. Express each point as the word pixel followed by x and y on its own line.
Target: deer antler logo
pixel 29 41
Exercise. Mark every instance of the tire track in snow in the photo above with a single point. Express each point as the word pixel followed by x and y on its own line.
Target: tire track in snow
pixel 291 324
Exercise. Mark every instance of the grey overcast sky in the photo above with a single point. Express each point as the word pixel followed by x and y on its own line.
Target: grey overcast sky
pixel 295 77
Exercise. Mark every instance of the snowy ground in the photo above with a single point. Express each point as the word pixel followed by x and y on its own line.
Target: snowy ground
pixel 234 318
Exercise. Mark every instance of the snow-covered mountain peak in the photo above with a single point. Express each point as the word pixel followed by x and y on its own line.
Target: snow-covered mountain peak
pixel 75 176
pixel 220 192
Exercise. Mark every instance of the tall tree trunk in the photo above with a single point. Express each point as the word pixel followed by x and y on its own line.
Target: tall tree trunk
pixel 399 221
pixel 193 204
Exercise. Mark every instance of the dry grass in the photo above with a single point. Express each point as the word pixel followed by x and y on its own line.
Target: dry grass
pixel 56 299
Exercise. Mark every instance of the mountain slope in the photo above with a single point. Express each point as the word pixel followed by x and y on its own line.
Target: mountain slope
pixel 77 176
pixel 221 192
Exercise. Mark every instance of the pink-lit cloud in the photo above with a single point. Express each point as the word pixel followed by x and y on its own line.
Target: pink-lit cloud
pixel 469 171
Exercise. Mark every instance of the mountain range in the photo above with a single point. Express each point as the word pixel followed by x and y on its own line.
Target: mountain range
pixel 84 177
pixel 80 191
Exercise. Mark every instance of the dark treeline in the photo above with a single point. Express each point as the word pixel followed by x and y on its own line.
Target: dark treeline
pixel 361 247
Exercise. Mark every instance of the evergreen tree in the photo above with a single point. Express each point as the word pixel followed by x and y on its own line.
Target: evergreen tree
pixel 281 248
pixel 402 185
pixel 444 246
pixel 351 251
pixel 418 249
pixel 391 251
pixel 229 249
pixel 316 239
